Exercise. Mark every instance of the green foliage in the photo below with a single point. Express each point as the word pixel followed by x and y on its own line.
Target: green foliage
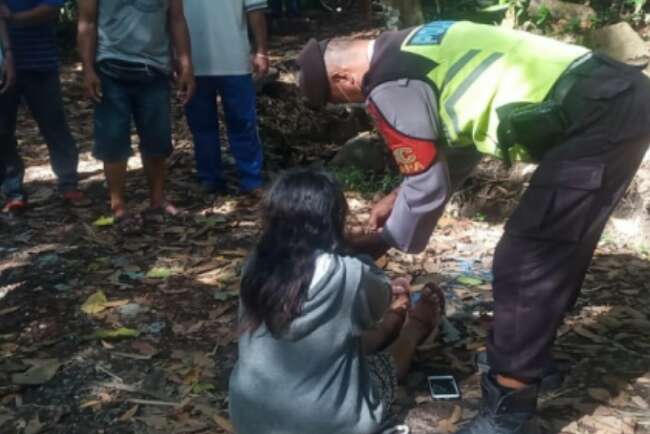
pixel 366 183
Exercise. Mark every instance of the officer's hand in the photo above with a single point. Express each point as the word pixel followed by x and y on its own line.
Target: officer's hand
pixel 381 211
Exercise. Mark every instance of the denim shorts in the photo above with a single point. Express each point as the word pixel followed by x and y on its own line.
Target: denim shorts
pixel 148 104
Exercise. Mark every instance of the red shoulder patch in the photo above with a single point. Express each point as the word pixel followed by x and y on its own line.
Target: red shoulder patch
pixel 413 156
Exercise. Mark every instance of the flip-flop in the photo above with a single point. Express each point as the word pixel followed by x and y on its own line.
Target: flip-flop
pixel 14 205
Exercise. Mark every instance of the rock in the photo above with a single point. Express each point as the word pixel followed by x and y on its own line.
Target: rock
pixel 621 42
pixel 366 152
pixel 346 122
pixel 564 11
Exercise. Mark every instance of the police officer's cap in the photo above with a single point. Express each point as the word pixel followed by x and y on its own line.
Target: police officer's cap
pixel 313 79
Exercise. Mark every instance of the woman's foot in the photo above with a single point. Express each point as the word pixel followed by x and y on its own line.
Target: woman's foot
pixel 424 318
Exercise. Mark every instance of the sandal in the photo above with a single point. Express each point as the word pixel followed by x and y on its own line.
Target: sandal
pixel 14 205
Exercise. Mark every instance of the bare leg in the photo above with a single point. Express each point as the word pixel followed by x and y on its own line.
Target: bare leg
pixel 377 339
pixel 422 319
pixel 393 320
pixel 116 179
pixel 154 168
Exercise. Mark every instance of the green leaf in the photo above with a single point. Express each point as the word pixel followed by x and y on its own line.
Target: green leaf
pixel 202 387
pixel 159 273
pixel 104 221
pixel 41 373
pixel 95 303
pixel 225 295
pixel 469 281
pixel 122 332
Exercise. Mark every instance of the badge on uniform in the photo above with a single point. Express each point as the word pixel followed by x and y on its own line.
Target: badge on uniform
pixel 430 34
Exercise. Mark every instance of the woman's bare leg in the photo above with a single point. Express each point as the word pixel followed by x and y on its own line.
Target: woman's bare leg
pixel 377 339
pixel 421 320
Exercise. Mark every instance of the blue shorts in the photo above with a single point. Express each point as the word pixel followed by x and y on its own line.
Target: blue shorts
pixel 148 104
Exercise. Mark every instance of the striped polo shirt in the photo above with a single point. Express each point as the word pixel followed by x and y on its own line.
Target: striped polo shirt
pixel 34 47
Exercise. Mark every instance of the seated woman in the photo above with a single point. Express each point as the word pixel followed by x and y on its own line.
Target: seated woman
pixel 313 320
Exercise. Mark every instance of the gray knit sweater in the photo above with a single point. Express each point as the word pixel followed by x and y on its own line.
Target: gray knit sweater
pixel 314 380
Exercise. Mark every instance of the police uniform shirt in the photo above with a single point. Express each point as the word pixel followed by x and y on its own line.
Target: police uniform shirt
pixel 406 114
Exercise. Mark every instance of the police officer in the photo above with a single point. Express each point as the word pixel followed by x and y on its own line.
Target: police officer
pixel 446 93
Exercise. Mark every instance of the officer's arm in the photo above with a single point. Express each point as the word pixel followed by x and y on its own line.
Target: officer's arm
pixel 406 115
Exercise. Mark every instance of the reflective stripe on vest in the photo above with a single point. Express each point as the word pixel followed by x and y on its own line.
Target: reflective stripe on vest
pixel 480 68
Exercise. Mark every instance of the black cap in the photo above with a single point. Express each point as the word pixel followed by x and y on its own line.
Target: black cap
pixel 314 83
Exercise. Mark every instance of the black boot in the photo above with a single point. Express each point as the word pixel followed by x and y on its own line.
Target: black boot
pixel 504 411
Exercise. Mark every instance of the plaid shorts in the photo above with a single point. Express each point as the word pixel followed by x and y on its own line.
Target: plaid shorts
pixel 383 375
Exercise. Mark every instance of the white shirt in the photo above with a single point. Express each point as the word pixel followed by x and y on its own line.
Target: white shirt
pixel 219 33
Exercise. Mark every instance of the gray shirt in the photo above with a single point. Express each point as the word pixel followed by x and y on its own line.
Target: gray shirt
pixel 409 109
pixel 219 34
pixel 314 379
pixel 135 31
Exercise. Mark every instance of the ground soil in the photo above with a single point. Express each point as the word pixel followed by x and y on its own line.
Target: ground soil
pixel 174 285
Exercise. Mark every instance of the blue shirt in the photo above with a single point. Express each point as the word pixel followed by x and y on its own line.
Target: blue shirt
pixel 34 47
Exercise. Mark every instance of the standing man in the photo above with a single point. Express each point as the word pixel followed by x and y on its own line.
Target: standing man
pixel 445 93
pixel 126 48
pixel 224 66
pixel 33 44
pixel 7 80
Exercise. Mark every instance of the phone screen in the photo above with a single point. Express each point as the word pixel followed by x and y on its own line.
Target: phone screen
pixel 443 387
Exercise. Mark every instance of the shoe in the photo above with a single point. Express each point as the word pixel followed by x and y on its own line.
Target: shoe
pixel 75 198
pixel 505 411
pixel 552 378
pixel 13 205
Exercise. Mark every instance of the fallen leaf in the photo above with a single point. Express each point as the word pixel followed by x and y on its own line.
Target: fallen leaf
pixel 40 373
pixel 104 221
pixel 122 332
pixel 159 273
pixel 225 295
pixel 223 423
pixel 95 303
pixel 640 402
pixel 469 281
pixel 93 403
pixel 128 415
pixel 9 310
pixel 34 426
pixel 144 348
pixel 155 422
pixel 599 394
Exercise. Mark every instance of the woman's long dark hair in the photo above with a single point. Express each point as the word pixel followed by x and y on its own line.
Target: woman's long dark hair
pixel 304 215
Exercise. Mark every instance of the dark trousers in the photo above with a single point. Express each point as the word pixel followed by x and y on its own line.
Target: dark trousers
pixel 42 93
pixel 541 261
pixel 238 99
